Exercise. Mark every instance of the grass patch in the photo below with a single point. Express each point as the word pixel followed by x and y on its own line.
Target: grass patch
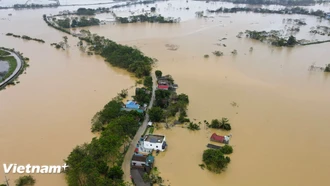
pixel 12 65
pixel 4 53
pixel 151 130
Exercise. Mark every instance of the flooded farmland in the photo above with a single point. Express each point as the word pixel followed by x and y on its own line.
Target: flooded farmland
pixel 280 127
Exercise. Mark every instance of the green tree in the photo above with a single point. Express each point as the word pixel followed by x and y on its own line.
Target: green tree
pixel 25 181
pixel 115 173
pixel 65 38
pixel 292 41
pixel 158 73
pixel 156 114
pixel 222 124
pixel 327 68
pixel 152 9
pixel 148 82
pixel 215 160
pixel 227 149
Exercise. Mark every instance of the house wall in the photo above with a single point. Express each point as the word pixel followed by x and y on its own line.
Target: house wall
pixel 138 163
pixel 155 146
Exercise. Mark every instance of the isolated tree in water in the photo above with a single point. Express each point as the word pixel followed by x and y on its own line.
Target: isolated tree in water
pixel 25 181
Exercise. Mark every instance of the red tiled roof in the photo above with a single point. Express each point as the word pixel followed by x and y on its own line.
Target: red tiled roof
pixel 215 137
pixel 163 86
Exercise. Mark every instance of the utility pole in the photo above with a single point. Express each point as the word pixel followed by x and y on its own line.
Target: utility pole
pixel 7 183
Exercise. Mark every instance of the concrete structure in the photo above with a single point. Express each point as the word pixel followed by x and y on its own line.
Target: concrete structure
pixel 155 142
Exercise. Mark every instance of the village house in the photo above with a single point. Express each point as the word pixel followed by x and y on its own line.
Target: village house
pixel 137 176
pixel 166 83
pixel 132 105
pixel 155 142
pixel 142 161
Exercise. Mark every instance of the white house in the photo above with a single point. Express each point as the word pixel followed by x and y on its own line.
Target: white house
pixel 155 142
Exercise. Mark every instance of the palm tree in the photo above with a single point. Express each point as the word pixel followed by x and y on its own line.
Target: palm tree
pixel 224 124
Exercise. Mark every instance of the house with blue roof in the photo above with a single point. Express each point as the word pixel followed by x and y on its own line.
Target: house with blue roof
pixel 132 105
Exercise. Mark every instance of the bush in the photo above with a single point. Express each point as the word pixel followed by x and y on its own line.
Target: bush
pixel 193 126
pixel 156 114
pixel 215 161
pixel 158 73
pixel 227 149
pixel 25 181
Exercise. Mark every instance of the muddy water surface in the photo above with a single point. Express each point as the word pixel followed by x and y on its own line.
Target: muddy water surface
pixel 280 126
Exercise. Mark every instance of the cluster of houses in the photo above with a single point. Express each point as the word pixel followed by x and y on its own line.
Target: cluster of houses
pixel 166 83
pixel 142 161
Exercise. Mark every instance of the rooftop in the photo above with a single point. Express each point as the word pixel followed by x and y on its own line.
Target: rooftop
pixel 154 138
pixel 139 158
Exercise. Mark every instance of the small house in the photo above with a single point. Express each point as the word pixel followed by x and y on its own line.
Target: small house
pixel 220 139
pixel 132 105
pixel 155 142
pixel 163 87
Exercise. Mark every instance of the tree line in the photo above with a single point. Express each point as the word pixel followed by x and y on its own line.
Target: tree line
pixel 294 10
pixel 25 37
pixel 77 22
pixel 121 56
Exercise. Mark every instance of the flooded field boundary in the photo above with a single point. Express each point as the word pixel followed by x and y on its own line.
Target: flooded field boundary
pixel 19 68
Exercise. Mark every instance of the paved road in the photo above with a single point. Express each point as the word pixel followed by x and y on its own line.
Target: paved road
pixel 16 71
pixel 129 154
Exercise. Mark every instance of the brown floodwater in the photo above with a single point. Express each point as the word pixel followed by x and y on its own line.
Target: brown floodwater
pixel 280 127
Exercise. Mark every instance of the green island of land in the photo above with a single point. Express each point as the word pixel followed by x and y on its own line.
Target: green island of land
pixel 11 65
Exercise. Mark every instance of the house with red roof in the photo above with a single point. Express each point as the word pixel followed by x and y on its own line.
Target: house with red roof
pixel 163 87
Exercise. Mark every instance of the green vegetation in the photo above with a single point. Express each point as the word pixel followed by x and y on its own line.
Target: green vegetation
pixel 218 53
pixel 119 55
pixel 85 11
pixel 148 82
pixel 206 56
pixel 54 26
pixel 156 114
pixel 12 65
pixel 273 37
pixel 294 10
pixel 4 53
pixel 153 9
pixel 153 177
pixel 158 73
pixel 215 160
pixel 193 126
pixel 146 18
pixel 227 149
pixel 25 181
pixel 99 162
pixel 25 37
pixel 327 68
pixel 142 96
pixel 34 6
pixel 275 2
pixel 222 124
pixel 76 22
pixel 123 93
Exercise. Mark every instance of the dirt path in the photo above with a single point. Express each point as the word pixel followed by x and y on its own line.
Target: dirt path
pixel 127 159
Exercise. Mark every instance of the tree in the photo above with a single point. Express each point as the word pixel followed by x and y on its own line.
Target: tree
pixel 115 173
pixel 158 73
pixel 327 68
pixel 222 124
pixel 227 149
pixel 152 9
pixel 156 114
pixel 148 82
pixel 215 160
pixel 292 41
pixel 25 181
pixel 65 38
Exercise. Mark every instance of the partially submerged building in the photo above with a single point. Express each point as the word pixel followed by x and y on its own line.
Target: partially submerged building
pixel 155 142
